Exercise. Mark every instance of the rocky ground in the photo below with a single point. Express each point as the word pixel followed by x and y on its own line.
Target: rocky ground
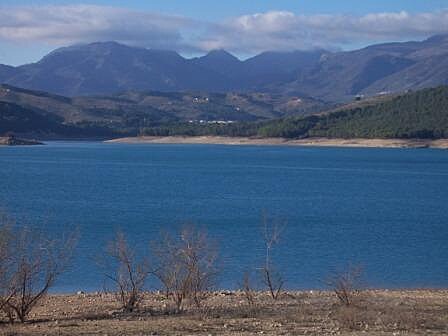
pixel 423 312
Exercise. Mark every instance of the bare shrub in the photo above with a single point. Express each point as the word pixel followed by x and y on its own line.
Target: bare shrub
pixel 34 262
pixel 272 278
pixel 187 265
pixel 248 291
pixel 347 285
pixel 126 270
pixel 353 317
pixel 6 237
pixel 251 308
pixel 352 311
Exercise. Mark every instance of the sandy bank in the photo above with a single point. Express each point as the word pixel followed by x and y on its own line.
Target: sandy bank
pixel 381 143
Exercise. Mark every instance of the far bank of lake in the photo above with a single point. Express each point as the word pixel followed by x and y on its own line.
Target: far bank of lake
pixel 321 142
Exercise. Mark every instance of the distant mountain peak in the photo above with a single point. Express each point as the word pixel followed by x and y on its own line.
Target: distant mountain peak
pixel 219 61
pixel 220 54
pixel 94 46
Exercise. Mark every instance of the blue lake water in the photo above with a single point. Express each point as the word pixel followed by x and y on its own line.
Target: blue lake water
pixel 385 209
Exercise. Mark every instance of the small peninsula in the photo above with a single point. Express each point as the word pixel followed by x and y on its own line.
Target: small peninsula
pixel 11 140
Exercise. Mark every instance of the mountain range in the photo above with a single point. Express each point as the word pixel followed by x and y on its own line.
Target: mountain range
pixel 106 68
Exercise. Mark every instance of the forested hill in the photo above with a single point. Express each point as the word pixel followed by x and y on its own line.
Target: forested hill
pixel 421 114
pixel 38 123
pixel 26 112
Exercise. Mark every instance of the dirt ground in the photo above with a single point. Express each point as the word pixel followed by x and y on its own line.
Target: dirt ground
pixel 422 312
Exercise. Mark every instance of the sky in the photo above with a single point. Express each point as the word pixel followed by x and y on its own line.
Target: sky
pixel 31 29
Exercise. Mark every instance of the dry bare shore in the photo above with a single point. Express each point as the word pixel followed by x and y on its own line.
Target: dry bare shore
pixel 379 312
pixel 323 142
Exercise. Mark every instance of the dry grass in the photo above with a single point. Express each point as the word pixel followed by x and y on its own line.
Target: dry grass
pixel 227 313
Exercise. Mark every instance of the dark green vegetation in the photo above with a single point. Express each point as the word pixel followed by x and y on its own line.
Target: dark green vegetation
pixel 421 114
pixel 108 67
pixel 43 114
pixel 17 119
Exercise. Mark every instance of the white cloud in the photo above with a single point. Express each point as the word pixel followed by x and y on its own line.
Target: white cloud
pixel 286 30
pixel 276 30
pixel 58 25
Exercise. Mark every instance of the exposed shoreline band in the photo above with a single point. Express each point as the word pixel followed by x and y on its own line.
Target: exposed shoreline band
pixel 318 142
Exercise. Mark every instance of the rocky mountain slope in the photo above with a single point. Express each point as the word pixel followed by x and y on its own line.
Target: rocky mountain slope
pixel 109 67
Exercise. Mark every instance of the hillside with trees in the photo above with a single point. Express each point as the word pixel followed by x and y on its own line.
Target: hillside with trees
pixel 421 114
pixel 38 123
pixel 129 112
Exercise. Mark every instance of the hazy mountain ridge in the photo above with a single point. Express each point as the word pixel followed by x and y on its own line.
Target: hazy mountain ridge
pixel 104 68
pixel 390 67
pixel 109 67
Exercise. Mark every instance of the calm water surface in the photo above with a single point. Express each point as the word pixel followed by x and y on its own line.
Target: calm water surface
pixel 383 208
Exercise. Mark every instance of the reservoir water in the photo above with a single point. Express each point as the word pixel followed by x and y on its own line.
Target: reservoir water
pixel 385 209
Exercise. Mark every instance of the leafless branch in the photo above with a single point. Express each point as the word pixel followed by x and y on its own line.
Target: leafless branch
pixel 187 265
pixel 346 285
pixel 126 270
pixel 30 267
pixel 271 236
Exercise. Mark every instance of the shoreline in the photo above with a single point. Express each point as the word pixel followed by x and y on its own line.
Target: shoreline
pixel 308 142
pixel 417 291
pixel 375 312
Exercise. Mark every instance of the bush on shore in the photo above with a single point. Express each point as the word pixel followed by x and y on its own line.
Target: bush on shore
pixel 30 263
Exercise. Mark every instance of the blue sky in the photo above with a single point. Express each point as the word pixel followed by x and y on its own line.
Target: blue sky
pixel 222 9
pixel 30 29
